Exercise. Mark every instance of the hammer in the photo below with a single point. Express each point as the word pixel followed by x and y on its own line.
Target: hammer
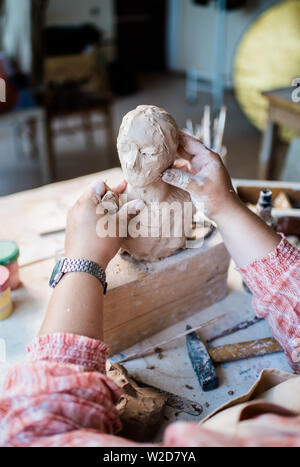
pixel 203 359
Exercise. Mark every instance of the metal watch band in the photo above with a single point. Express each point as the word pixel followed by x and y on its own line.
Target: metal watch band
pixel 83 265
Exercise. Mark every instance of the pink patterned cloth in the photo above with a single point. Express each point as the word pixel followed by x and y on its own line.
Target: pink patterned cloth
pixel 61 396
pixel 275 283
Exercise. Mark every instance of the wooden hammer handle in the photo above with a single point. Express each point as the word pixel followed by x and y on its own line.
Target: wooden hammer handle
pixel 243 350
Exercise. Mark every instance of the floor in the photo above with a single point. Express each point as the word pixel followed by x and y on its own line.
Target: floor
pixel 21 172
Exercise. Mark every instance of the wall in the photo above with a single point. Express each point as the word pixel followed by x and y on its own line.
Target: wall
pixel 191 34
pixel 16 35
pixel 99 12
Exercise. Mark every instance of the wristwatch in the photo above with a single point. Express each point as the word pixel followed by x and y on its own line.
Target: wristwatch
pixel 66 265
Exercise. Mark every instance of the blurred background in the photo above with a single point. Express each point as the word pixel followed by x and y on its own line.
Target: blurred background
pixel 71 69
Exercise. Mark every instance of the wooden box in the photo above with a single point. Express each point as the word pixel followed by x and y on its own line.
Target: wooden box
pixel 145 297
pixel 249 190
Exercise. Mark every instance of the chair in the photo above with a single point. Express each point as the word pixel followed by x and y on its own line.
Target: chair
pixel 76 85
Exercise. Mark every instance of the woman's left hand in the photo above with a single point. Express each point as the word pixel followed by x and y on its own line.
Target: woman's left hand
pixel 83 239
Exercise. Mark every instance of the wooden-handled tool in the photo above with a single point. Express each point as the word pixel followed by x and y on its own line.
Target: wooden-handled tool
pixel 203 359
pixel 201 362
pixel 243 350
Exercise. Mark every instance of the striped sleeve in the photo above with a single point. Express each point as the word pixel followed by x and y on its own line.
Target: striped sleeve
pixel 275 283
pixel 60 388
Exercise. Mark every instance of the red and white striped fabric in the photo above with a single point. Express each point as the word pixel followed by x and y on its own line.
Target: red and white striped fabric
pixel 275 283
pixel 61 397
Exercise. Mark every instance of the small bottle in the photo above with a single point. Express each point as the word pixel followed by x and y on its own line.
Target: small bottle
pixel 264 208
pixel 6 306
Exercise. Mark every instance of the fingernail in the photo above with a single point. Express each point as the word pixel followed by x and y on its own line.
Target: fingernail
pixel 169 176
pixel 98 190
pixel 177 177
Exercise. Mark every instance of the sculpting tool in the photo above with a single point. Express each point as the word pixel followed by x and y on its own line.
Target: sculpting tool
pixel 220 130
pixel 206 127
pixel 110 202
pixel 201 362
pixel 152 348
pixel 53 232
pixel 215 132
pixel 189 126
pixel 211 137
pixel 203 359
pixel 238 327
pixel 198 131
pixel 244 350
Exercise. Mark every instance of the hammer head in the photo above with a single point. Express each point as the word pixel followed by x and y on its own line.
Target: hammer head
pixel 201 362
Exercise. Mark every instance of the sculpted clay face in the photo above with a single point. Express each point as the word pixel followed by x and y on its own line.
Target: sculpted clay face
pixel 147 144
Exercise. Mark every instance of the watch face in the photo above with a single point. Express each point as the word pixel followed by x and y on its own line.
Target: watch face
pixel 56 274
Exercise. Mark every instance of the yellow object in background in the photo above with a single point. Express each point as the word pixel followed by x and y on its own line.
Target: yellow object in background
pixel 6 306
pixel 268 58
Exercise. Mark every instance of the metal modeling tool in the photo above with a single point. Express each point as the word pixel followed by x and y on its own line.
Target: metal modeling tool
pixel 201 362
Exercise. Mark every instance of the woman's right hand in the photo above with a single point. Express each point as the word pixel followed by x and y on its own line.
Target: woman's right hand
pixel 85 236
pixel 203 175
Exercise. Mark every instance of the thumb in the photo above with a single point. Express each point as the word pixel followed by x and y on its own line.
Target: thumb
pixel 185 181
pixel 94 193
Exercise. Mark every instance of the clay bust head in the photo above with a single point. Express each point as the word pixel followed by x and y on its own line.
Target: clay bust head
pixel 147 144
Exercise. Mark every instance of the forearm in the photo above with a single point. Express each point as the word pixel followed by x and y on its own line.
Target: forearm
pixel 275 282
pixel 270 267
pixel 76 307
pixel 246 236
pixel 77 301
pixel 60 389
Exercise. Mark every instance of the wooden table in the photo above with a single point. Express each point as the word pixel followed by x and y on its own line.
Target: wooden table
pixel 282 112
pixel 25 215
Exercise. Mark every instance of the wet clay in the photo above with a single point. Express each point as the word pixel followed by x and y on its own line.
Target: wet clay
pixel 140 409
pixel 147 146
